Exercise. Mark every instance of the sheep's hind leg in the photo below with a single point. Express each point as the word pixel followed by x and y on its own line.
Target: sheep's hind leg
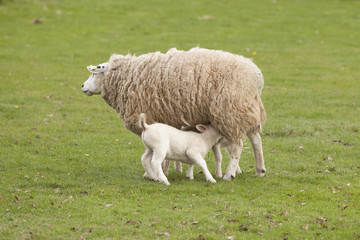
pixel 238 169
pixel 199 160
pixel 218 160
pixel 165 167
pixel 255 139
pixel 234 150
pixel 157 158
pixel 178 166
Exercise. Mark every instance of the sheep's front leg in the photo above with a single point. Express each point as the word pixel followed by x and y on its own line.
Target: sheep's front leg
pixel 255 139
pixel 234 150
pixel 234 153
pixel 199 160
pixel 158 157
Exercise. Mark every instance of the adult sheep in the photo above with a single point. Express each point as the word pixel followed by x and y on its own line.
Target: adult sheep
pixel 192 87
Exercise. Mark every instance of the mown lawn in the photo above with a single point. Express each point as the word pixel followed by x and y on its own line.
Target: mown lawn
pixel 69 169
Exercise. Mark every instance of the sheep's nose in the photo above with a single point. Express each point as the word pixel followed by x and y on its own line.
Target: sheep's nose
pixel 82 85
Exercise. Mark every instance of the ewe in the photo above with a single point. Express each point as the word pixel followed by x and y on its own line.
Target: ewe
pixel 181 88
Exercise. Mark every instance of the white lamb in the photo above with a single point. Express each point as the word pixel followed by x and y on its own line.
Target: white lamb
pixel 163 141
pixel 234 151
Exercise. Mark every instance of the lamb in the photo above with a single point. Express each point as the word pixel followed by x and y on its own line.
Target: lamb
pixel 233 151
pixel 163 141
pixel 198 86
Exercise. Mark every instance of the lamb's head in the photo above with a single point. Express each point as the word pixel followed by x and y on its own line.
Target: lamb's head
pixel 209 131
pixel 93 84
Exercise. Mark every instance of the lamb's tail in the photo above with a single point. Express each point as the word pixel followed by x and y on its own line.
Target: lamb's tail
pixel 142 121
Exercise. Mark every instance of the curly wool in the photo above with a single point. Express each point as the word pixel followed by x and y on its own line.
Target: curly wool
pixel 192 87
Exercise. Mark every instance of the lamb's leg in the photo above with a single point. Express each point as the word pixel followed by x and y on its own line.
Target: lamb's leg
pixel 255 139
pixel 198 159
pixel 158 157
pixel 234 150
pixel 190 172
pixel 146 162
pixel 218 159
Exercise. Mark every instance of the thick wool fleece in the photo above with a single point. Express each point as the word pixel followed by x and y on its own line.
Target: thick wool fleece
pixel 199 86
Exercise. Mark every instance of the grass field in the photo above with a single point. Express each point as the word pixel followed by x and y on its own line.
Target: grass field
pixel 69 169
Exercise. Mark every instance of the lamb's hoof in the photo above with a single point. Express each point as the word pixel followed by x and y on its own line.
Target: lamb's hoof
pixel 259 174
pixel 212 180
pixel 238 171
pixel 190 176
pixel 165 182
pixel 146 175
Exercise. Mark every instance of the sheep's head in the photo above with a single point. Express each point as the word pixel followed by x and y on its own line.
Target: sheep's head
pixel 93 84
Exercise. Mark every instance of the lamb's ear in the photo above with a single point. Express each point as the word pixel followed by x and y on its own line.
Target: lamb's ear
pixel 201 128
pixel 99 68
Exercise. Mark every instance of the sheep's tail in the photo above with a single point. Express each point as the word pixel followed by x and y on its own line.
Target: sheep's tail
pixel 142 121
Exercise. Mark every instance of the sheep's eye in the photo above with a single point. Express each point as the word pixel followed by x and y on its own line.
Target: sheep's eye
pixel 99 66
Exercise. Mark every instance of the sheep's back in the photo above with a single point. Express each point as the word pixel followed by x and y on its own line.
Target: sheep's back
pixel 186 87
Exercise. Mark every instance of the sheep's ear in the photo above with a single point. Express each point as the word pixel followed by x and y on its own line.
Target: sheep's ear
pixel 201 128
pixel 91 68
pixel 99 68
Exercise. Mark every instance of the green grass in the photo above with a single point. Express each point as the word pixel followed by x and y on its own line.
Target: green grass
pixel 69 169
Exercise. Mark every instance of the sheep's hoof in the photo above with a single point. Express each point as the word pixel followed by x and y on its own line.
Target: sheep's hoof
pixel 146 175
pixel 238 171
pixel 259 174
pixel 227 177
